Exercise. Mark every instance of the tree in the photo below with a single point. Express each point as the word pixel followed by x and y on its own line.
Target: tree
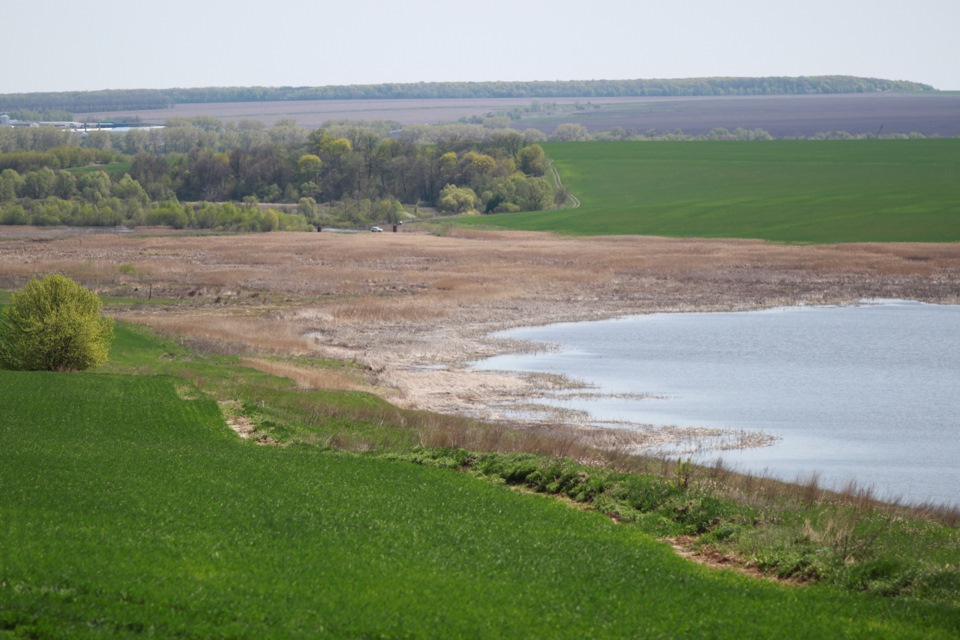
pixel 533 160
pixel 99 140
pixel 309 168
pixel 129 189
pixel 94 186
pixel 54 324
pixel 207 176
pixel 39 184
pixel 477 168
pixel 570 132
pixel 149 170
pixel 307 207
pixel 11 183
pixel 65 186
pixel 330 147
pixel 454 199
pixel 136 141
pixel 534 194
pixel 270 221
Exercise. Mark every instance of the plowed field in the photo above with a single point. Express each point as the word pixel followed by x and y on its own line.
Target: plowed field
pixel 782 116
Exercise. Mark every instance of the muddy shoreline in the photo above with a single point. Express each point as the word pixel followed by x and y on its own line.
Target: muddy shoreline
pixel 413 308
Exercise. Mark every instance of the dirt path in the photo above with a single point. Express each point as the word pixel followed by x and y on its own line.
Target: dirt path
pixel 570 196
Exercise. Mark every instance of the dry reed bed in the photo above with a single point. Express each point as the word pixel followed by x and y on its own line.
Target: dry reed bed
pixel 397 302
pixel 307 377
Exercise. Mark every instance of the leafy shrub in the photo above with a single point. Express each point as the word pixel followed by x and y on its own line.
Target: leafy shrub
pixel 512 468
pixel 454 199
pixel 697 513
pixel 54 324
pixel 645 493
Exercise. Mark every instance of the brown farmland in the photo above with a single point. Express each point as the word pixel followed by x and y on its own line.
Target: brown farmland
pixel 781 116
pixel 798 116
pixel 414 307
pixel 313 113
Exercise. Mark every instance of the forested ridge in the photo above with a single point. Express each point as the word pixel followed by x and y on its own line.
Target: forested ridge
pixel 135 99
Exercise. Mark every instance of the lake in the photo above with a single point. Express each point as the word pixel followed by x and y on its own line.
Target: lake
pixel 869 393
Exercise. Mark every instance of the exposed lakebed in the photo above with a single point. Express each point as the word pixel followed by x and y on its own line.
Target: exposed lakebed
pixel 868 393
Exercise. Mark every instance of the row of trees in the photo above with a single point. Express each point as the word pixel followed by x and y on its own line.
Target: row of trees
pixel 348 161
pixel 88 186
pixel 64 157
pixel 353 173
pixel 136 211
pixel 132 99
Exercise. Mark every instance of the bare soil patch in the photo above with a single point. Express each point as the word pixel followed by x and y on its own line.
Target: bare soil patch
pixel 243 426
pixel 686 547
pixel 313 113
pixel 413 308
pixel 781 116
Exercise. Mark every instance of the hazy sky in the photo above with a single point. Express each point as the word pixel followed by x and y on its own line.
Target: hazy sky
pixel 112 44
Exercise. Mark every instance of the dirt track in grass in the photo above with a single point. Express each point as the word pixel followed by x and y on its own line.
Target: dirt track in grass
pixel 413 308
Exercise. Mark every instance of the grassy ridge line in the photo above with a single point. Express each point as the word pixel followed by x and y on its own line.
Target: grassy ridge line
pixel 128 510
pixel 788 191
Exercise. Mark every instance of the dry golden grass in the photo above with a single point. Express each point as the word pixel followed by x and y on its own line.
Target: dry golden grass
pixel 228 333
pixel 384 311
pixel 308 377
pixel 478 265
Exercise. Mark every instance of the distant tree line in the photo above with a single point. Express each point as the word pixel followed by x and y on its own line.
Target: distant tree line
pixel 72 102
pixel 138 99
pixel 204 173
pixel 47 115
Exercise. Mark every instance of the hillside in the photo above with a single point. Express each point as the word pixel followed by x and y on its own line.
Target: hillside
pixel 131 509
pixel 788 191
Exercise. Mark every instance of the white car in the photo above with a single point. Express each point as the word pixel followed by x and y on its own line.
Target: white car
pixel 376 229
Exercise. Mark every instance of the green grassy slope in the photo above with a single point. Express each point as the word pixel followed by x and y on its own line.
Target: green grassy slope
pixel 794 191
pixel 128 510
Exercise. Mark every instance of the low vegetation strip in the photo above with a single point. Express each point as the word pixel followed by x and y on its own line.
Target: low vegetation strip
pixel 129 508
pixel 788 191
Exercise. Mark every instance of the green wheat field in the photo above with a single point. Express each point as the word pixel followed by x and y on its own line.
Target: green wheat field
pixel 128 508
pixel 786 191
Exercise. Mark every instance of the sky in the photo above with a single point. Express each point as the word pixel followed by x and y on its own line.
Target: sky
pixel 113 44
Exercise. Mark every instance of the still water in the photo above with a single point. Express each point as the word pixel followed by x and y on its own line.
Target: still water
pixel 868 393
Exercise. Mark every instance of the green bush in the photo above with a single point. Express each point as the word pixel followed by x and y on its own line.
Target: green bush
pixel 54 324
pixel 697 513
pixel 516 468
pixel 645 493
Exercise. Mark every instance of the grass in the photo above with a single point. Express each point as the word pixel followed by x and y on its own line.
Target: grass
pixel 276 405
pixel 795 532
pixel 130 509
pixel 787 191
